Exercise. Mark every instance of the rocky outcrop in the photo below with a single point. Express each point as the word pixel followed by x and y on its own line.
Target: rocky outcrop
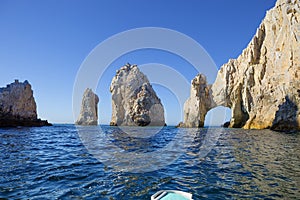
pixel 262 85
pixel 134 102
pixel 198 104
pixel 18 107
pixel 226 124
pixel 89 109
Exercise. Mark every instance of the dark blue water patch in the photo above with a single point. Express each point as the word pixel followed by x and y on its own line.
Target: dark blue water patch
pixel 126 141
pixel 53 163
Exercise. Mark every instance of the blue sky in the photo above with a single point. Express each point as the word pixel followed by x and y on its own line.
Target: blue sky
pixel 46 41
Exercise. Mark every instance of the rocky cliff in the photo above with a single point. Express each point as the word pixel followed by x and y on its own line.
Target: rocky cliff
pixel 262 86
pixel 18 107
pixel 134 102
pixel 89 109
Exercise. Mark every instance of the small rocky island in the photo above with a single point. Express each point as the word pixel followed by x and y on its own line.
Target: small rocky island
pixel 18 107
pixel 89 109
pixel 261 86
pixel 134 102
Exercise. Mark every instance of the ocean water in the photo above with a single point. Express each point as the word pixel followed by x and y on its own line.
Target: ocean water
pixel 63 162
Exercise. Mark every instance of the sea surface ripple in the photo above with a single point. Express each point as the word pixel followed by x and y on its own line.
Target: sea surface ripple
pixel 53 163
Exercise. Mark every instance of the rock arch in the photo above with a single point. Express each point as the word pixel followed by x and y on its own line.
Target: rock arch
pixel 218 116
pixel 262 85
pixel 204 97
pixel 198 104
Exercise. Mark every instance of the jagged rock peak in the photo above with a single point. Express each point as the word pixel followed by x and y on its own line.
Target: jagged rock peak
pixel 18 107
pixel 89 109
pixel 134 102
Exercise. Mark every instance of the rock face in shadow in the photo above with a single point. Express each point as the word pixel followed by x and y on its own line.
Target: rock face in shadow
pixel 261 86
pixel 18 107
pixel 226 124
pixel 286 117
pixel 134 102
pixel 89 109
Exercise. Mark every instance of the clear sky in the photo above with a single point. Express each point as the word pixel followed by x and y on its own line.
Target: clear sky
pixel 46 41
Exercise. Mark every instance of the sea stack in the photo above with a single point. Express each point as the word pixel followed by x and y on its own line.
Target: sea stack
pixel 262 86
pixel 89 109
pixel 134 102
pixel 18 107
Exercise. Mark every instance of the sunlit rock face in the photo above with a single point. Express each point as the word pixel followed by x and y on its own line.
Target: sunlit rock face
pixel 261 86
pixel 89 109
pixel 18 107
pixel 134 102
pixel 198 104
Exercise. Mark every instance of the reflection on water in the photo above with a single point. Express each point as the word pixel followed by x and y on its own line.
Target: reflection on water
pixel 52 162
pixel 126 151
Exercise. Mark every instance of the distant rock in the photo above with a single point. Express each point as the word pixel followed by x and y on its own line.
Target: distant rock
pixel 89 109
pixel 134 102
pixel 198 104
pixel 18 107
pixel 180 125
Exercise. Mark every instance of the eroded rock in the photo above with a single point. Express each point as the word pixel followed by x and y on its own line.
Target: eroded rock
pixel 198 104
pixel 134 102
pixel 18 107
pixel 89 109
pixel 261 85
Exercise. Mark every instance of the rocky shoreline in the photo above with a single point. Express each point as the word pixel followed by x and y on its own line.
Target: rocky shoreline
pixel 25 123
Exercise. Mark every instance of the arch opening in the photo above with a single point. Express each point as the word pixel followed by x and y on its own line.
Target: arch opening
pixel 217 116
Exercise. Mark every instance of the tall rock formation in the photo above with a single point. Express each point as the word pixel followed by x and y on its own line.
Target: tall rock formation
pixel 198 104
pixel 18 107
pixel 261 86
pixel 134 102
pixel 89 109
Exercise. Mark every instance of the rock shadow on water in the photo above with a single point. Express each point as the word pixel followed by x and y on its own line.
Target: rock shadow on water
pixel 145 139
pixel 286 117
pixel 123 149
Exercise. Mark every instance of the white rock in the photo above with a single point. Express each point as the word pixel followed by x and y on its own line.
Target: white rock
pixel 18 107
pixel 262 85
pixel 17 100
pixel 89 109
pixel 198 104
pixel 134 102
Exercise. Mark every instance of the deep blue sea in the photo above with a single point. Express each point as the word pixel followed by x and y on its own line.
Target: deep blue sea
pixel 65 162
